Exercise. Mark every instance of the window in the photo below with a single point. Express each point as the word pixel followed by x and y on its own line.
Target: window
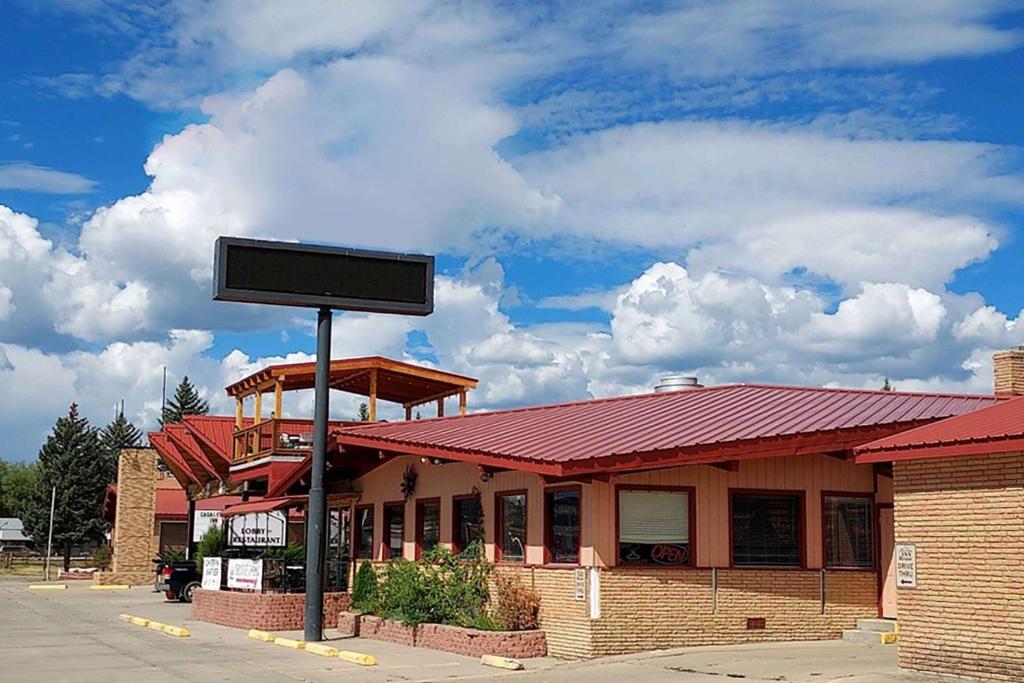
pixel 654 527
pixel 428 524
pixel 394 529
pixel 364 532
pixel 563 525
pixel 849 541
pixel 468 521
pixel 511 526
pixel 766 530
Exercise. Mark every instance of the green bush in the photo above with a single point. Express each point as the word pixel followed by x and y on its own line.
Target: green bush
pixel 103 557
pixel 364 588
pixel 291 553
pixel 211 544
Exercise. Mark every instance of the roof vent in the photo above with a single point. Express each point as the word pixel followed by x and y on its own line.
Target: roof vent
pixel 676 383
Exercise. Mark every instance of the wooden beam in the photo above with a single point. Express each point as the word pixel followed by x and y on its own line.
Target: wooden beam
pixel 547 480
pixel 408 412
pixel 278 399
pixel 373 395
pixel 440 407
pixel 462 402
pixel 433 397
pixel 239 412
pixel 259 409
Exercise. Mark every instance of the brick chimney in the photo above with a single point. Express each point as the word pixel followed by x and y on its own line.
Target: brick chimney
pixel 1009 371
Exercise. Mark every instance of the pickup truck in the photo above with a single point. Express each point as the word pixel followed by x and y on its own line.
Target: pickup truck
pixel 178 580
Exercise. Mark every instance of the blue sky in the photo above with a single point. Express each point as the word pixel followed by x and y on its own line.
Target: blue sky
pixel 751 190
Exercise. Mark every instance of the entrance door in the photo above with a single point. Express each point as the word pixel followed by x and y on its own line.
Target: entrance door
pixel 338 548
pixel 887 547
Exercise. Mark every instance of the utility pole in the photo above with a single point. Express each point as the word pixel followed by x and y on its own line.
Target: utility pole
pixel 49 541
pixel 163 397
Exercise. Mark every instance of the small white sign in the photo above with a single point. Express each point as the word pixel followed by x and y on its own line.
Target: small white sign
pixel 581 584
pixel 260 529
pixel 245 574
pixel 211 573
pixel 906 565
pixel 204 519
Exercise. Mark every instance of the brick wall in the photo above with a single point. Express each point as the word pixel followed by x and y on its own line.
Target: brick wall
pixel 136 502
pixel 966 517
pixel 646 609
pixel 266 611
pixel 464 641
pixel 1008 368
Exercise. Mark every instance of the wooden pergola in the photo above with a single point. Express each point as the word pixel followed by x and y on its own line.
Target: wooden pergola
pixel 373 376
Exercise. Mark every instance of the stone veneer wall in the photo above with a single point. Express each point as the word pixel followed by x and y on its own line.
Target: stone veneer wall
pixel 647 609
pixel 266 611
pixel 966 518
pixel 463 641
pixel 135 513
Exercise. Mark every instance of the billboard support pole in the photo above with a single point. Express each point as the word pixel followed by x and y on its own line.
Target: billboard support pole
pixel 316 510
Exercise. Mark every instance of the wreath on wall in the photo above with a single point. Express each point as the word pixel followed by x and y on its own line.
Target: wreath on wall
pixel 408 485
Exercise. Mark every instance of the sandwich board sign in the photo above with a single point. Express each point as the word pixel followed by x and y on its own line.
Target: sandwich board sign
pixel 906 565
pixel 245 574
pixel 211 573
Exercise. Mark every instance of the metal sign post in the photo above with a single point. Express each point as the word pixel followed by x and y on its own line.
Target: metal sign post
pixel 325 278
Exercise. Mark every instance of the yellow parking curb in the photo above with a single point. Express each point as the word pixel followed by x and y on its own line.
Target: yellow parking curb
pixel 888 638
pixel 155 626
pixel 322 650
pixel 265 636
pixel 48 587
pixel 177 631
pixel 357 658
pixel 124 617
pixel 288 642
pixel 139 621
pixel 110 587
pixel 501 662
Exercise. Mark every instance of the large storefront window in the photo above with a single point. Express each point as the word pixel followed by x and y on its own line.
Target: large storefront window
pixel 765 530
pixel 428 524
pixel 394 528
pixel 364 532
pixel 654 528
pixel 849 541
pixel 468 521
pixel 563 526
pixel 511 510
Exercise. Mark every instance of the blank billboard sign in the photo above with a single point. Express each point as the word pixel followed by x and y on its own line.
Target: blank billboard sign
pixel 292 274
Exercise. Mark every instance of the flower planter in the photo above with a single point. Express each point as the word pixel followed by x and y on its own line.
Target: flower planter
pixel 463 641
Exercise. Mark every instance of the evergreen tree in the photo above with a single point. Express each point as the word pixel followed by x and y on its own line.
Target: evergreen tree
pixel 364 412
pixel 72 461
pixel 186 401
pixel 887 385
pixel 115 437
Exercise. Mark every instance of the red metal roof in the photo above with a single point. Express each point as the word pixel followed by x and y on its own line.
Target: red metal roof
pixel 996 429
pixel 628 431
pixel 266 505
pixel 191 451
pixel 216 431
pixel 172 459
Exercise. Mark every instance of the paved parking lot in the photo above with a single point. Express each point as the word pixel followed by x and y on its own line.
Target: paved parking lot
pixel 75 635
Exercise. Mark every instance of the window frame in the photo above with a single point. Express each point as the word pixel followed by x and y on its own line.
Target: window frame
pixel 457 518
pixel 801 527
pixel 357 532
pixel 385 536
pixel 499 521
pixel 421 503
pixel 872 528
pixel 578 488
pixel 691 492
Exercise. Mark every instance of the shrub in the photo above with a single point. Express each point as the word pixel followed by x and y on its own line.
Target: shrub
pixel 291 553
pixel 103 557
pixel 365 589
pixel 517 607
pixel 211 544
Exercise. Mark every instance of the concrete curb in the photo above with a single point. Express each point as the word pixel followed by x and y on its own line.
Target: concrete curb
pixel 48 587
pixel 357 658
pixel 264 636
pixel 110 587
pixel 501 662
pixel 289 643
pixel 322 650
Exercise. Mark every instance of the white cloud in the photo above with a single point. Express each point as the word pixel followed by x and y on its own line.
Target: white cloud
pixel 33 178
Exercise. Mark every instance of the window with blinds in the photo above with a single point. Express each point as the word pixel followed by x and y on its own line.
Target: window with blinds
pixel 849 537
pixel 765 530
pixel 654 527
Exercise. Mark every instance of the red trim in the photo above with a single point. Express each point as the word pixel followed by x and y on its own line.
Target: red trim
pixel 994 446
pixel 691 496
pixel 849 494
pixel 420 504
pixel 801 525
pixel 357 530
pixel 499 520
pixel 547 525
pixel 385 537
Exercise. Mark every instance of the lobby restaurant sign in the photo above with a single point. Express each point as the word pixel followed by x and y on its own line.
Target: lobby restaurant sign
pixel 260 529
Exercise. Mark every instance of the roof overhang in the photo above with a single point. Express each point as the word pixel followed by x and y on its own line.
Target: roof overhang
pixel 265 505
pixel 947 450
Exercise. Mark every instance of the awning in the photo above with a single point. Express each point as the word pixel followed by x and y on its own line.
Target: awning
pixel 265 505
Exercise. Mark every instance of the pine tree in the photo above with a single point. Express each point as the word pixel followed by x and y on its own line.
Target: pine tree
pixel 115 437
pixel 364 412
pixel 72 461
pixel 887 385
pixel 186 401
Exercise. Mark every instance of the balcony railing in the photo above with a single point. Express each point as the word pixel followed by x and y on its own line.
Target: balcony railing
pixel 273 437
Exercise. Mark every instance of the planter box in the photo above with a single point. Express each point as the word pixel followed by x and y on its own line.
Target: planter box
pixel 463 641
pixel 265 611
